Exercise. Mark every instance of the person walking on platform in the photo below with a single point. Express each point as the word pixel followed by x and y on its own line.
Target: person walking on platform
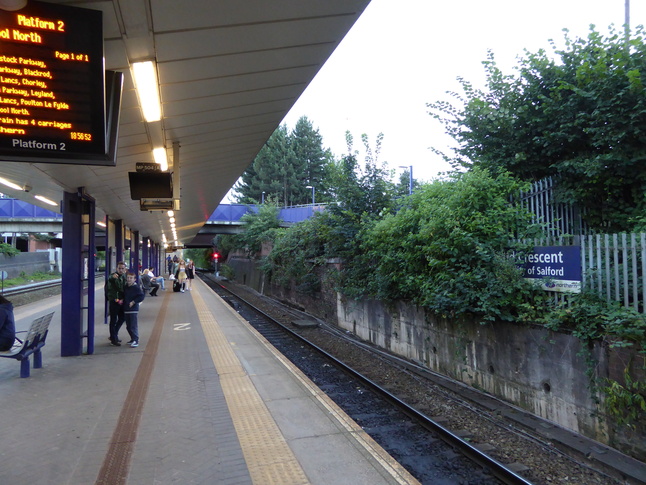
pixel 114 291
pixel 7 324
pixel 181 275
pixel 190 274
pixel 133 296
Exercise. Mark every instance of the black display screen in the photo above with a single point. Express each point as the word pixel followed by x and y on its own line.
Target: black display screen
pixel 52 92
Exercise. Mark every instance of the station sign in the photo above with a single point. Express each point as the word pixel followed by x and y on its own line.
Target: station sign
pixel 555 268
pixel 52 85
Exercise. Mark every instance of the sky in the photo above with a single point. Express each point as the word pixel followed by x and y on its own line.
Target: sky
pixel 401 55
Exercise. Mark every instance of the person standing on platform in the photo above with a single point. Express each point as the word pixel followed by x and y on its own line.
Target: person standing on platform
pixel 180 275
pixel 7 324
pixel 115 287
pixel 175 263
pixel 133 296
pixel 169 264
pixel 190 274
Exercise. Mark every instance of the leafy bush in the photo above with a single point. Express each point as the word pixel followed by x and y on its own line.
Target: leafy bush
pixel 297 253
pixel 8 249
pixel 260 227
pixel 451 250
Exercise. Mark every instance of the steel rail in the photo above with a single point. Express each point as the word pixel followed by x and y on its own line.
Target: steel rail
pixel 497 469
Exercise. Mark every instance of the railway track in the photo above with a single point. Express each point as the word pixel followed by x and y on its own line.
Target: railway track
pixel 535 450
pixel 531 457
pixel 431 452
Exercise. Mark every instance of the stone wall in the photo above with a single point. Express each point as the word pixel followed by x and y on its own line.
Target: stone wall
pixel 25 262
pixel 541 371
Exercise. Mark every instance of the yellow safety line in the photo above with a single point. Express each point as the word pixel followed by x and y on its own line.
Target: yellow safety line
pixel 390 465
pixel 267 454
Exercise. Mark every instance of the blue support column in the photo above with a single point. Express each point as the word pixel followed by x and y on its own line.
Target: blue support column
pixel 134 253
pixel 90 248
pixel 157 265
pixel 118 239
pixel 108 265
pixel 78 271
pixel 145 254
pixel 71 292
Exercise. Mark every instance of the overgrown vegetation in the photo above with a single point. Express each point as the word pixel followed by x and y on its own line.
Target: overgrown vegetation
pixel 451 247
pixel 578 113
pixel 8 249
pixel 25 279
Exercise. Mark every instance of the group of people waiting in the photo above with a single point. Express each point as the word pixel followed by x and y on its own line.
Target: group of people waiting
pixel 182 273
pixel 124 294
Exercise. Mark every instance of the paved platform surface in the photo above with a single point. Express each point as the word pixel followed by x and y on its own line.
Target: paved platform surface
pixel 203 400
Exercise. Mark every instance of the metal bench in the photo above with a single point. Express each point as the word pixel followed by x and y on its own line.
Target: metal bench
pixel 33 342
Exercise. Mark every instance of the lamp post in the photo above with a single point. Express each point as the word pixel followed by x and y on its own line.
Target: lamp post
pixel 311 187
pixel 410 178
pixel 263 197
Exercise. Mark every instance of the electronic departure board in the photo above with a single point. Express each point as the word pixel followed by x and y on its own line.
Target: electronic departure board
pixel 52 89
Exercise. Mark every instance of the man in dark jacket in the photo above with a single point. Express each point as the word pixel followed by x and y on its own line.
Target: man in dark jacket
pixel 133 295
pixel 115 287
pixel 7 324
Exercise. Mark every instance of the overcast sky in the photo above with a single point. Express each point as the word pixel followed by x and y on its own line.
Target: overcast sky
pixel 401 55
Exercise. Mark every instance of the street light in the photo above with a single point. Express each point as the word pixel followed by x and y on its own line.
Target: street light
pixel 311 187
pixel 263 197
pixel 410 178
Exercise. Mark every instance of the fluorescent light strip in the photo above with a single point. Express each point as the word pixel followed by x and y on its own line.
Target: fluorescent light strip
pixel 145 77
pixel 159 154
pixel 45 200
pixel 10 184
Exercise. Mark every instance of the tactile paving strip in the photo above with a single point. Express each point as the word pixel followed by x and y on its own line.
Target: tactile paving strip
pixel 114 470
pixel 269 459
pixel 390 466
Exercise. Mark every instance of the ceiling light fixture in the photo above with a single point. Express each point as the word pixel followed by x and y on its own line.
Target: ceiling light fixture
pixel 144 75
pixel 159 154
pixel 101 224
pixel 170 213
pixel 12 5
pixel 10 184
pixel 45 200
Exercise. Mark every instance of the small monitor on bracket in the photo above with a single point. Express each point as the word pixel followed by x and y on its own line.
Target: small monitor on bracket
pixel 150 185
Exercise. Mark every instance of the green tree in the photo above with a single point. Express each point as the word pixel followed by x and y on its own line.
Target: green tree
pixel 580 116
pixel 285 166
pixel 307 144
pixel 274 171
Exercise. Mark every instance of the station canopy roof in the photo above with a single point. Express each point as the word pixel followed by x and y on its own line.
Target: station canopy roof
pixel 229 71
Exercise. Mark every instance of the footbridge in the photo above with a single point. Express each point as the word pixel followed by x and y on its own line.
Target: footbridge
pixel 19 217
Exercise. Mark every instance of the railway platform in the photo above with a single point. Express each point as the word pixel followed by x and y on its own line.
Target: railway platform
pixel 202 400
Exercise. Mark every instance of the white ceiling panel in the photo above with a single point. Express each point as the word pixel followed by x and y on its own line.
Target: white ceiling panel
pixel 229 72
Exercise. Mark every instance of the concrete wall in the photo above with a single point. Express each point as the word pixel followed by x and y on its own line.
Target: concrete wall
pixel 529 366
pixel 25 262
